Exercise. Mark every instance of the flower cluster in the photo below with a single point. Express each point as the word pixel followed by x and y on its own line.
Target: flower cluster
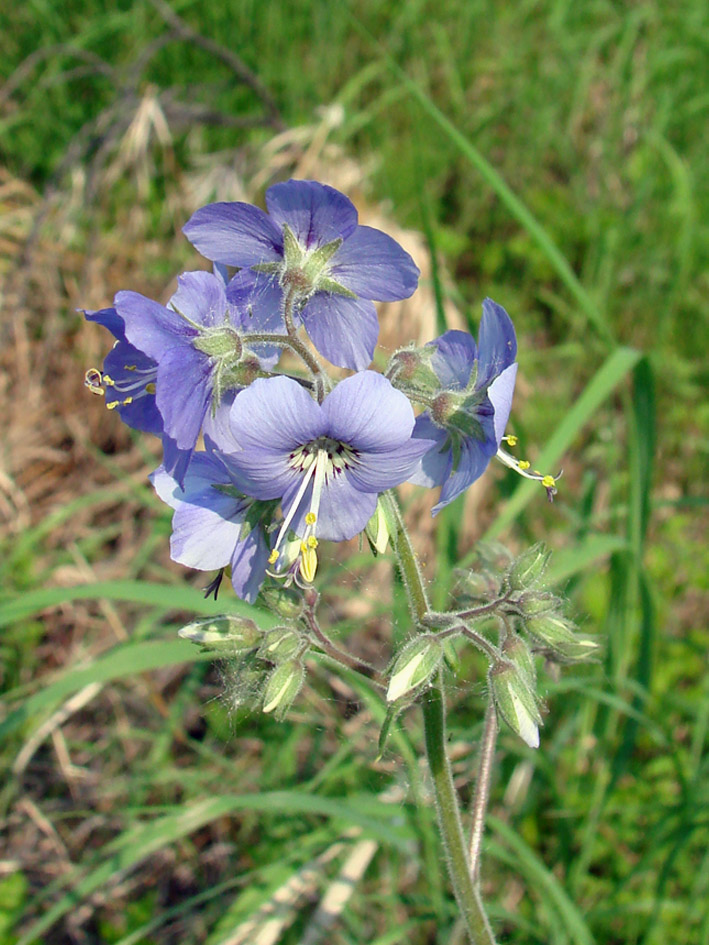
pixel 261 464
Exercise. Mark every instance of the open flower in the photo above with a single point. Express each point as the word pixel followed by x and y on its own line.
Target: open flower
pixel 325 462
pixel 468 416
pixel 197 343
pixel 215 525
pixel 310 251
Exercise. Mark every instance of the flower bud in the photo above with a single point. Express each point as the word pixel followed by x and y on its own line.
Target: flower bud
pixel 287 602
pixel 479 585
pixel 557 633
pixel 377 530
pixel 515 701
pixel 229 633
pixel 414 666
pixel 283 686
pixel 533 603
pixel 529 568
pixel 517 652
pixel 411 368
pixel 280 643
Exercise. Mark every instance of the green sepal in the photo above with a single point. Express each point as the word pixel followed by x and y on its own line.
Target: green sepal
pixel 393 712
pixel 227 633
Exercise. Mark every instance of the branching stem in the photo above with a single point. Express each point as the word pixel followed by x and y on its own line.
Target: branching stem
pixel 341 656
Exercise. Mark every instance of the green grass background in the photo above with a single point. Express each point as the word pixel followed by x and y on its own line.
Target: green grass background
pixel 554 156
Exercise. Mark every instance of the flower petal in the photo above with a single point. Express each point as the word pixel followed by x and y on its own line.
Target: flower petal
pixel 500 394
pixel 263 474
pixel 248 565
pixel 343 513
pixel 344 330
pixel 365 411
pixel 201 297
pixel 207 523
pixel 374 266
pixel 235 234
pixel 474 458
pixel 184 392
pixel 149 326
pixel 257 301
pixel 376 472
pixel 436 464
pixel 316 214
pixel 453 358
pixel 497 343
pixel 275 414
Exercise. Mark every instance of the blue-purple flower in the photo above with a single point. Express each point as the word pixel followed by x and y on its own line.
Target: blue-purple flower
pixel 308 256
pixel 197 342
pixel 468 416
pixel 325 462
pixel 215 525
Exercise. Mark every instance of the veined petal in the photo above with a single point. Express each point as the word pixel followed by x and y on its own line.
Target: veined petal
pixel 257 301
pixel 474 458
pixel 435 465
pixel 344 330
pixel 235 234
pixel 315 213
pixel 248 565
pixel 184 392
pixel 376 472
pixel 275 414
pixel 261 473
pixel 374 266
pixel 343 511
pixel 201 297
pixel 497 343
pixel 453 358
pixel 151 327
pixel 500 394
pixel 367 412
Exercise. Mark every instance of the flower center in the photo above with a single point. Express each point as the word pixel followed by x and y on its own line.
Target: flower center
pixel 137 383
pixel 318 462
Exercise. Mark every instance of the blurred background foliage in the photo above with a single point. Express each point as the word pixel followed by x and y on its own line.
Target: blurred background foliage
pixel 549 154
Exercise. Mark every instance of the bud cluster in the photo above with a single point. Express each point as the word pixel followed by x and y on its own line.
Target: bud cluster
pixel 268 666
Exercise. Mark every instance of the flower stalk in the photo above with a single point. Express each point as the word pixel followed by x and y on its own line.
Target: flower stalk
pixel 466 891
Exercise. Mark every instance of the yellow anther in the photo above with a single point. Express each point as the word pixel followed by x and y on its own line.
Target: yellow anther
pixel 310 518
pixel 130 367
pixel 308 563
pixel 273 557
pixel 510 440
pixel 128 400
pixel 312 542
pixel 524 464
pixel 150 388
pixel 108 381
pixel 548 482
pixel 113 405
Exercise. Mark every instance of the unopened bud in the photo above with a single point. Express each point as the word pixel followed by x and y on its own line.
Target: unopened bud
pixel 412 368
pixel 515 701
pixel 229 633
pixel 285 601
pixel 283 686
pixel 377 530
pixel 280 643
pixel 477 584
pixel 534 603
pixel 516 651
pixel 557 634
pixel 414 666
pixel 529 568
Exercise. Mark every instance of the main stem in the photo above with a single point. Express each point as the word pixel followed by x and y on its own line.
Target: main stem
pixel 434 720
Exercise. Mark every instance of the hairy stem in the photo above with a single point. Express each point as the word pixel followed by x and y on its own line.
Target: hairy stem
pixel 482 789
pixel 342 656
pixel 466 893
